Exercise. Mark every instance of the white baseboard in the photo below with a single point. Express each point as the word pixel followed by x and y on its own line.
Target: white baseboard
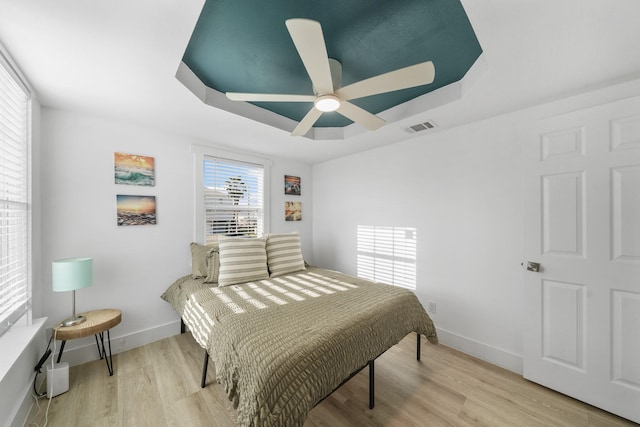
pixel 493 355
pixel 85 350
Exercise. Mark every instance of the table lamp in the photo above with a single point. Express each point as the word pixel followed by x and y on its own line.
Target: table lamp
pixel 71 274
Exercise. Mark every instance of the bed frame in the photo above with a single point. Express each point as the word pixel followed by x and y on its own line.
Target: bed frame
pixel 370 364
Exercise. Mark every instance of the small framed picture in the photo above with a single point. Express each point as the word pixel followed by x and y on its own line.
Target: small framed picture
pixel 293 211
pixel 133 169
pixel 136 210
pixel 292 185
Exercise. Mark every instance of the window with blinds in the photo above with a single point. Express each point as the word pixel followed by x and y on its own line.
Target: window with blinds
pixel 233 199
pixel 387 254
pixel 15 290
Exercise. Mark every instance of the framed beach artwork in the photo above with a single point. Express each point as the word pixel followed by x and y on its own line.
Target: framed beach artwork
pixel 293 211
pixel 292 185
pixel 136 210
pixel 133 169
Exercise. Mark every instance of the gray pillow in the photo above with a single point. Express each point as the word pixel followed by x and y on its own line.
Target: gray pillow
pixel 199 267
pixel 213 266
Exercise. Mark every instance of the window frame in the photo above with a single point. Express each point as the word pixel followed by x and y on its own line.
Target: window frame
pixel 23 314
pixel 200 153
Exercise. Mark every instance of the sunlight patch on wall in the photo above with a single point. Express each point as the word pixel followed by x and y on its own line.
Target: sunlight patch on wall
pixel 387 254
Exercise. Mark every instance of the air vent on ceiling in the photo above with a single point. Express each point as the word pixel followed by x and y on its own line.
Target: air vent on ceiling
pixel 422 126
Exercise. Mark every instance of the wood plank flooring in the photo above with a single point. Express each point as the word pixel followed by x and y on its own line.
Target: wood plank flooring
pixel 159 385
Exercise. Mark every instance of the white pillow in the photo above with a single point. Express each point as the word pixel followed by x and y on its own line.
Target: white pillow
pixel 242 260
pixel 284 254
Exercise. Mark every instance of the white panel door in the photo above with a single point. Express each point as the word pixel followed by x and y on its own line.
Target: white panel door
pixel 582 225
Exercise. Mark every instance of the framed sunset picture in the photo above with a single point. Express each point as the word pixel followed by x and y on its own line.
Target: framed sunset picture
pixel 133 169
pixel 136 210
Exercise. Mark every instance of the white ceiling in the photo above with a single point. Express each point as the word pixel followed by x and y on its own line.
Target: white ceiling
pixel 118 59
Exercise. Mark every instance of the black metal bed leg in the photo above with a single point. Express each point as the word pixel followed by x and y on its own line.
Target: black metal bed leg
pixel 371 385
pixel 182 326
pixel 204 369
pixel 418 348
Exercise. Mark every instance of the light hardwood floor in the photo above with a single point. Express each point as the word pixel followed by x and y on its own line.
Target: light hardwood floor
pixel 159 385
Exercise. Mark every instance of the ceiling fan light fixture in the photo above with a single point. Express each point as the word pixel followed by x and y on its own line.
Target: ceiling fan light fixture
pixel 327 103
pixel 326 79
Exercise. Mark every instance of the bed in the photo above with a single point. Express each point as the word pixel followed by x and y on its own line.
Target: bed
pixel 283 342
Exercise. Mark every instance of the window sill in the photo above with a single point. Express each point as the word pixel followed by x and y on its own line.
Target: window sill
pixel 15 341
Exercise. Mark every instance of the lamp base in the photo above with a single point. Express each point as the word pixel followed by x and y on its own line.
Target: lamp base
pixel 72 321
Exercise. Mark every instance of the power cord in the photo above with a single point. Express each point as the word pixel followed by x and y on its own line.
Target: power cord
pixel 38 368
pixel 37 397
pixel 46 414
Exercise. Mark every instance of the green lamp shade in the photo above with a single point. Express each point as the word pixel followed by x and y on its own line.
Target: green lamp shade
pixel 71 274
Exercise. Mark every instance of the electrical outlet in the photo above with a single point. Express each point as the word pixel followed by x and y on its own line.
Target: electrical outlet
pixel 431 307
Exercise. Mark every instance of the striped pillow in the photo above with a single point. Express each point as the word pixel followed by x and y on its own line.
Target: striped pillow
pixel 284 254
pixel 242 260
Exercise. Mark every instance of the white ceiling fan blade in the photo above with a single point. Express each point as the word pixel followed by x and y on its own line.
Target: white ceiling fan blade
pixel 269 97
pixel 307 36
pixel 414 75
pixel 360 116
pixel 307 122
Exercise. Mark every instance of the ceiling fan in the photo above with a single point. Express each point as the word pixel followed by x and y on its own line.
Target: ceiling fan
pixel 326 75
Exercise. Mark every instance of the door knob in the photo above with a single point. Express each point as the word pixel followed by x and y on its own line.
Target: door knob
pixel 533 266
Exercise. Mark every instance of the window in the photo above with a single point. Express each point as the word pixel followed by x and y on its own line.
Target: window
pixel 387 254
pixel 15 219
pixel 231 195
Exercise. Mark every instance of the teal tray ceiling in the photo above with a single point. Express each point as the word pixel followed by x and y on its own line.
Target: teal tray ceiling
pixel 244 46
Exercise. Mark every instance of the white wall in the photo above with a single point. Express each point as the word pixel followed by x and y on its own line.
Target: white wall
pixel 133 265
pixel 462 190
pixel 279 169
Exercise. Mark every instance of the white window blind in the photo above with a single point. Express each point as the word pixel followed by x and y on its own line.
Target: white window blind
pixel 387 254
pixel 233 198
pixel 15 292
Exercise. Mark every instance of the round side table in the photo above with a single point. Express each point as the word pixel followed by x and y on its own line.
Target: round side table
pixel 98 321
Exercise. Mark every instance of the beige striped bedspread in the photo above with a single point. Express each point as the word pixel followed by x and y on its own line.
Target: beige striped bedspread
pixel 281 345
